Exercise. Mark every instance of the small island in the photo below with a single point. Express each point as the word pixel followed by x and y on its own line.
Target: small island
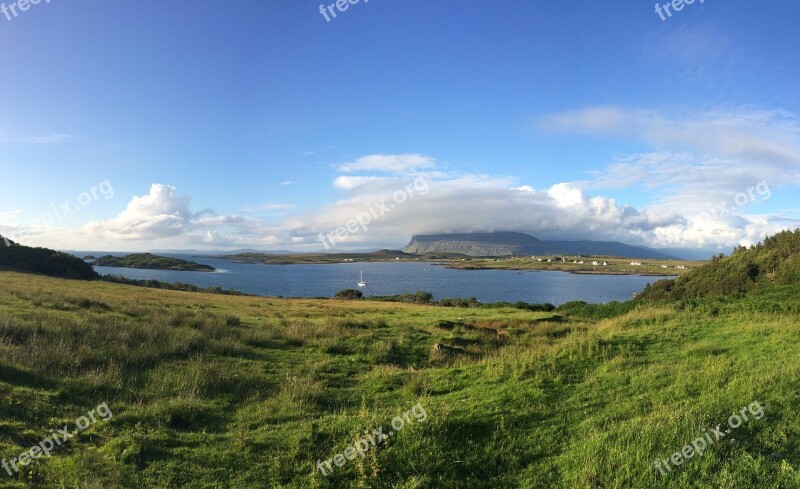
pixel 151 262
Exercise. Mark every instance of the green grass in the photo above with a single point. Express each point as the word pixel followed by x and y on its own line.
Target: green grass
pixel 613 265
pixel 228 391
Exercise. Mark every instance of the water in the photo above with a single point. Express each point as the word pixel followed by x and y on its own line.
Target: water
pixel 397 278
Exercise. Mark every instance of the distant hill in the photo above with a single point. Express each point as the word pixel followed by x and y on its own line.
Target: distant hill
pixel 306 258
pixel 775 262
pixel 219 252
pixel 16 257
pixel 151 262
pixel 516 244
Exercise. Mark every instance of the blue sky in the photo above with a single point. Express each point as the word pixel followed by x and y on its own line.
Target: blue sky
pixel 261 125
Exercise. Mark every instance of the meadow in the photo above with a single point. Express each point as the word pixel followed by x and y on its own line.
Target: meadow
pixel 216 391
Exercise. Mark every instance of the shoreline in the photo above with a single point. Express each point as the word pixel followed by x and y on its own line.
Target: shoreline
pixel 647 273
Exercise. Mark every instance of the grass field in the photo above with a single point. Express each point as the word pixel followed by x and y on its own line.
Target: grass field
pixel 605 266
pixel 211 391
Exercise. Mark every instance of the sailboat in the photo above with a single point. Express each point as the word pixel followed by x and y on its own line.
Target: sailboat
pixel 361 282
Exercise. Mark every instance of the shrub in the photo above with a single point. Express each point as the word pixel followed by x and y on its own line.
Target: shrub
pixel 348 295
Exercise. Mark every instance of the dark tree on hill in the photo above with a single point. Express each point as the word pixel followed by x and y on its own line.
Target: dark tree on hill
pixel 20 258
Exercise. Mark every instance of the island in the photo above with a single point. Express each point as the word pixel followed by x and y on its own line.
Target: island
pixel 151 262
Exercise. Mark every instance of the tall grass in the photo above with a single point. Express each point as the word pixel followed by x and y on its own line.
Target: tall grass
pixel 227 391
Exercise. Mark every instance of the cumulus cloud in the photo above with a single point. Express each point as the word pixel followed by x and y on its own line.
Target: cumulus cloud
pixel 159 214
pixel 163 216
pixel 696 162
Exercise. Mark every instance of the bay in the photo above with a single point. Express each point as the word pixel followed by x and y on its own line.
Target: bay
pixel 398 278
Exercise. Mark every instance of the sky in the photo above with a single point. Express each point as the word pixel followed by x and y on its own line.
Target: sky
pixel 131 126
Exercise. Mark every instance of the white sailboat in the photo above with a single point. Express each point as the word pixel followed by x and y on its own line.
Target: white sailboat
pixel 361 282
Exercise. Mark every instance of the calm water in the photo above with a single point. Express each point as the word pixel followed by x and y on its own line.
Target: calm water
pixel 397 278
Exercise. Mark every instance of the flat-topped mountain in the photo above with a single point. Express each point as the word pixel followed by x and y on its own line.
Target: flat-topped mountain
pixel 517 244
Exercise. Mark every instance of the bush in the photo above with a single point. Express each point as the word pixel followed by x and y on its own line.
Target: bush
pixel 581 309
pixel 348 294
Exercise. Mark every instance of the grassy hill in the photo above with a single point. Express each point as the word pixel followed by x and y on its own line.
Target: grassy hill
pixel 152 262
pixel 226 391
pixel 773 263
pixel 14 256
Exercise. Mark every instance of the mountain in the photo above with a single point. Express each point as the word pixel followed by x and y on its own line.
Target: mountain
pixel 773 263
pixel 14 256
pixel 515 244
pixel 691 254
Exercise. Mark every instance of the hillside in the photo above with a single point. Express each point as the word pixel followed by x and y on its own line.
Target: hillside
pixel 517 244
pixel 14 256
pixel 772 263
pixel 225 391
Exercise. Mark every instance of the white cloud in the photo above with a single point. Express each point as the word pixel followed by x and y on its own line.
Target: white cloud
pixel 159 214
pixel 267 207
pixel 351 182
pixel 398 164
pixel 698 160
pixel 593 120
pixel 49 139
pixel 9 136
